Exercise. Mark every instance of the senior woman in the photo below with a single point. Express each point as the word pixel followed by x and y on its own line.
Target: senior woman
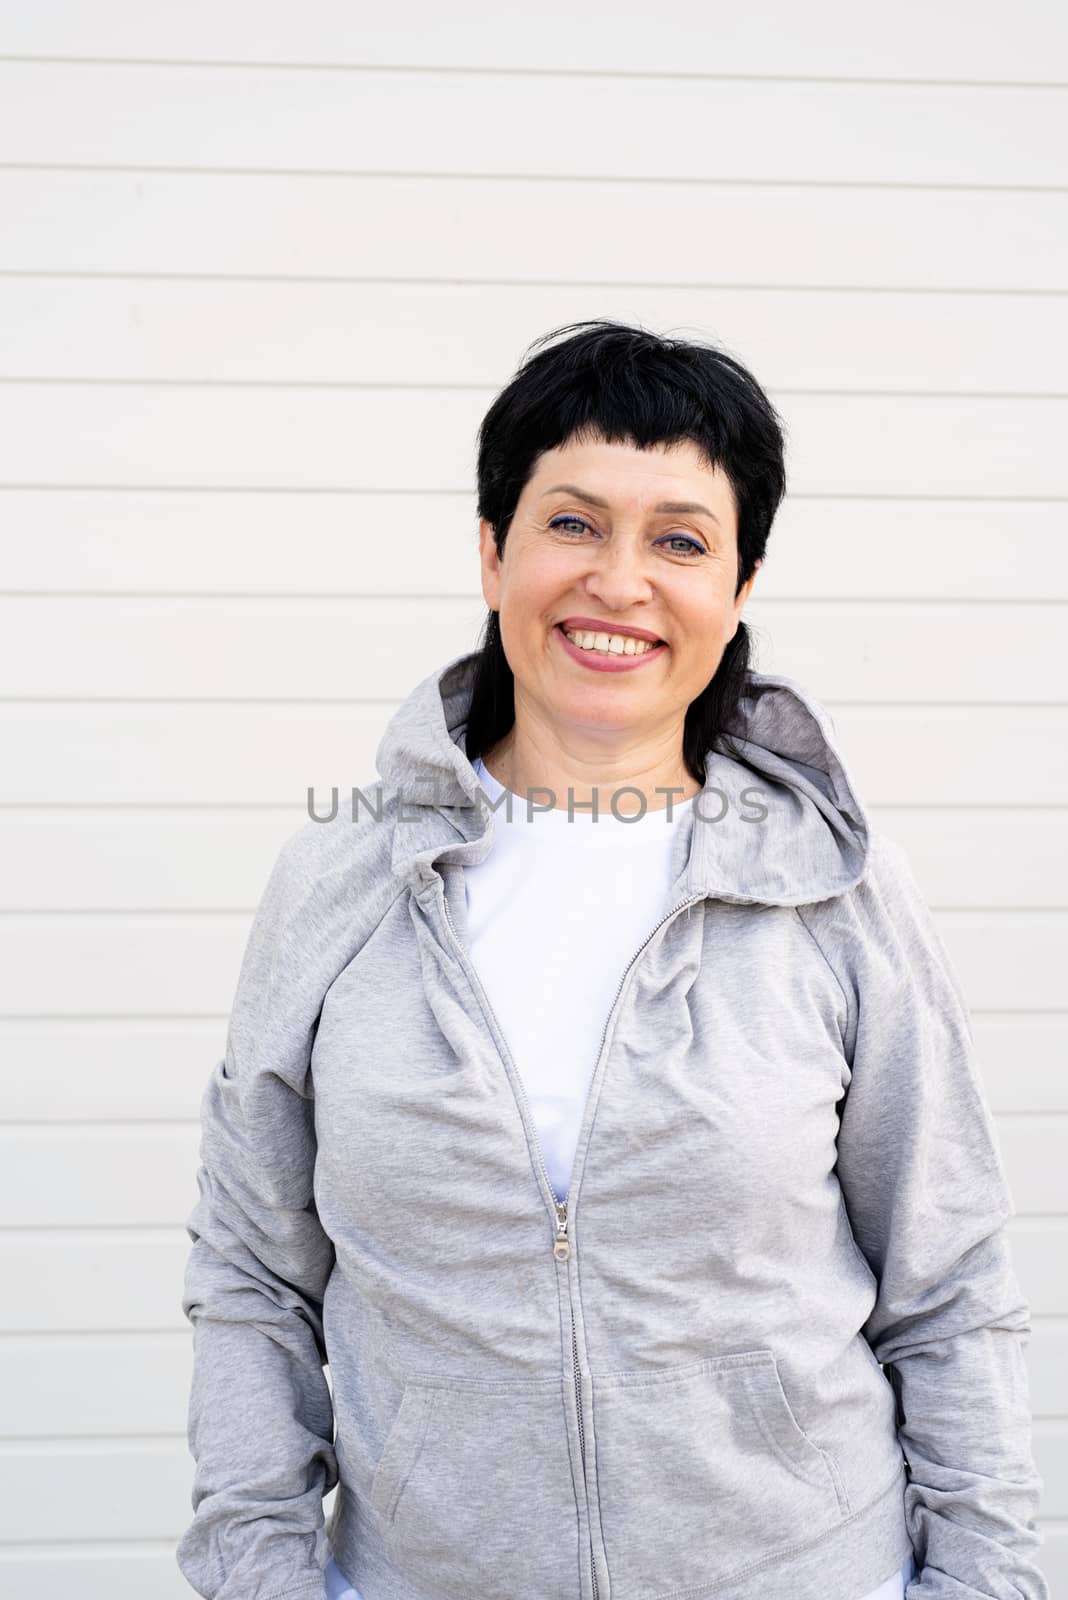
pixel 599 1105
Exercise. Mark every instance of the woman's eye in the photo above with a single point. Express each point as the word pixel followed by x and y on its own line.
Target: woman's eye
pixel 690 547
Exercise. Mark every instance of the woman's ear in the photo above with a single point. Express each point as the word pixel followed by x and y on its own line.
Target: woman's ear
pixel 490 563
pixel 745 590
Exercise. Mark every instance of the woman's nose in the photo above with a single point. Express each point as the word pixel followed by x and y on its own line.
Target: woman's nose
pixel 618 576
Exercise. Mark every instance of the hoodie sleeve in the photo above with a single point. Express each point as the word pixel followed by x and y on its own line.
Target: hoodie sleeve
pixel 260 1418
pixel 928 1200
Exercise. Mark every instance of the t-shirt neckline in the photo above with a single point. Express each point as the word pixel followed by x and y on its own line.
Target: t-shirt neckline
pixel 582 825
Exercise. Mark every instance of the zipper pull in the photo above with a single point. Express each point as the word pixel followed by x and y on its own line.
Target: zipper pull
pixel 561 1244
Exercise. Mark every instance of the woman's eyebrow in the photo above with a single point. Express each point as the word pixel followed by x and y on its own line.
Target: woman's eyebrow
pixel 682 507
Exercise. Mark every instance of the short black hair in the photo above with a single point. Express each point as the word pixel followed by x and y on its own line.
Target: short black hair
pixel 628 385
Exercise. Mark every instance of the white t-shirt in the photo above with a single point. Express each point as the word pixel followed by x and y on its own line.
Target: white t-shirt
pixel 578 895
pixel 591 890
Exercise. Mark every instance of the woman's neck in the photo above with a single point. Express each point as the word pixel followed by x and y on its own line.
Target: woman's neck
pixel 592 773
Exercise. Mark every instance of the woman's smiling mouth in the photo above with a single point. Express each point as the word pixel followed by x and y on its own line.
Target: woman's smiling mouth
pixel 607 652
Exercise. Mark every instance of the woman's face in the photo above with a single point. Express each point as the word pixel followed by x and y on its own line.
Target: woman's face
pixel 591 539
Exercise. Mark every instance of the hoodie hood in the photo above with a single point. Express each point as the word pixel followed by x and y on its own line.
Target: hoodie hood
pixel 779 824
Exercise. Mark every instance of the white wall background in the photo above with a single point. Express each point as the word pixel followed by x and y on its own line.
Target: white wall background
pixel 262 269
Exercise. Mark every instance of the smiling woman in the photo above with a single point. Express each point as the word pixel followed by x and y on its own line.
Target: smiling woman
pixel 607 1118
pixel 642 474
pixel 644 581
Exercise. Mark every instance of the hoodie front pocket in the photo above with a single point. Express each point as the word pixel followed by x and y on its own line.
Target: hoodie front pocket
pixel 474 1491
pixel 703 1471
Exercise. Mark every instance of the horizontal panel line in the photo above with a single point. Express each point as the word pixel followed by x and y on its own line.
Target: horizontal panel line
pixel 355 700
pixel 78 1443
pixel 356 385
pixel 1003 602
pixel 36 1444
pixel 283 808
pixel 1037 909
pixel 176 1230
pixel 107 1230
pixel 90 275
pixel 153 1335
pixel 90 1547
pixel 443 70
pixel 25 1447
pixel 149 1018
pixel 64 1024
pixel 15 1548
pixel 106 1126
pixel 1037 1114
pixel 43 1442
pixel 28 1336
pixel 133 1545
pixel 430 175
pixel 372 489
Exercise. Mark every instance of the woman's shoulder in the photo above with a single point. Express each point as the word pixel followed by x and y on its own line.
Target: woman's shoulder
pixel 889 888
pixel 885 882
pixel 882 931
pixel 339 860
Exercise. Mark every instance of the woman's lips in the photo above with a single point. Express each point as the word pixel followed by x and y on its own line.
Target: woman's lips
pixel 601 661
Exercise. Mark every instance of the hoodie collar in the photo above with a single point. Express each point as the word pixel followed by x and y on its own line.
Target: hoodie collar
pixel 812 843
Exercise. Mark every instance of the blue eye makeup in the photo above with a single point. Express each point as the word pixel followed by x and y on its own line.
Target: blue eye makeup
pixel 693 545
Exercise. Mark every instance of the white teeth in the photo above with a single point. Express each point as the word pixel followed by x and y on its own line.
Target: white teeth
pixel 616 644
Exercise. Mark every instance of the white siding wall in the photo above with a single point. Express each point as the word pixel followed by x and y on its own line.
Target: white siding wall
pixel 262 268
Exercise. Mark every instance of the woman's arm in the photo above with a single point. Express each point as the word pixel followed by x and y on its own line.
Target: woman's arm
pixel 260 1412
pixel 927 1196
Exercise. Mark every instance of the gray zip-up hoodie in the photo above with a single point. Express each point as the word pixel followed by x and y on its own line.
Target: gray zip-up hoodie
pixel 772 1340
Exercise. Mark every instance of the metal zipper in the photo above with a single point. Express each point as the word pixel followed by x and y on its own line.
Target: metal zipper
pixel 582 1449
pixel 561 1242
